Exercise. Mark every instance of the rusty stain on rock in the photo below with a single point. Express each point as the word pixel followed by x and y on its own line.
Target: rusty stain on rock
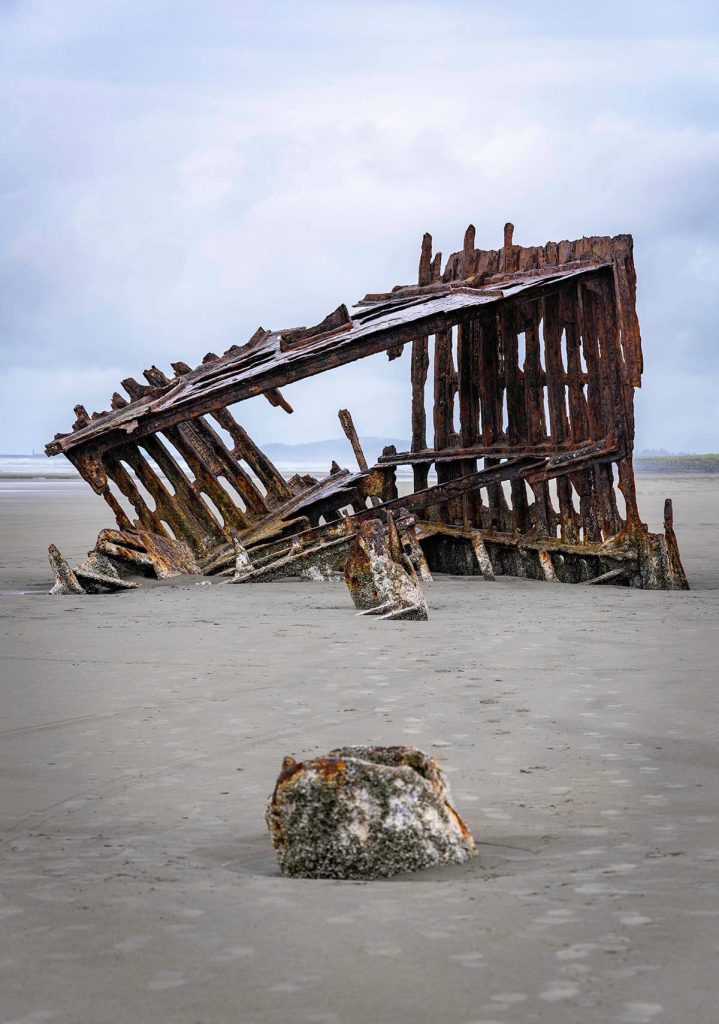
pixel 365 812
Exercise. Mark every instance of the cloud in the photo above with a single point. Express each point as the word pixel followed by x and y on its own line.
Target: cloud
pixel 175 177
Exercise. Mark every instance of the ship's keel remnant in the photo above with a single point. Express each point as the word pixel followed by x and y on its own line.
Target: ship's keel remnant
pixel 525 468
pixel 365 812
pixel 96 575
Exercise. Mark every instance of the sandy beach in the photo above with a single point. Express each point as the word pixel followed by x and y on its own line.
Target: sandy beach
pixel 142 732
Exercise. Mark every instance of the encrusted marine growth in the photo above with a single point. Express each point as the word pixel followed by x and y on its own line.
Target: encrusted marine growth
pixel 365 812
pixel 96 575
pixel 380 576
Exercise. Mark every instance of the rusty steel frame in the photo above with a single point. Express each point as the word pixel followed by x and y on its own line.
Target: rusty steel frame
pixel 535 355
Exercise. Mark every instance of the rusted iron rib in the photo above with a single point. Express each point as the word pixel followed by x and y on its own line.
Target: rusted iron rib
pixel 536 351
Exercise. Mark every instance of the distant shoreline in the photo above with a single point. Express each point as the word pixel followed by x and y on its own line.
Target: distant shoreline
pixel 678 465
pixel 669 465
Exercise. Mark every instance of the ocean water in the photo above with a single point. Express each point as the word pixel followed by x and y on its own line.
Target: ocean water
pixel 40 467
pixel 58 467
pixel 36 467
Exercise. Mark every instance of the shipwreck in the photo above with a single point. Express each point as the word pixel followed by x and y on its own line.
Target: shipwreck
pixel 525 468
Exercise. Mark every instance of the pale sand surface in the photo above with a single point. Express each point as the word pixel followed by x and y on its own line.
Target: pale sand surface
pixel 142 732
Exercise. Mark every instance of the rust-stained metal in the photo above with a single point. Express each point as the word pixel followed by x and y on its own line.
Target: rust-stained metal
pixel 323 560
pixel 66 582
pixel 535 351
pixel 96 575
pixel 347 423
pixel 380 576
pixel 345 418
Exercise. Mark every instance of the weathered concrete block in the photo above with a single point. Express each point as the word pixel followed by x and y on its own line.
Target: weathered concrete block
pixel 365 812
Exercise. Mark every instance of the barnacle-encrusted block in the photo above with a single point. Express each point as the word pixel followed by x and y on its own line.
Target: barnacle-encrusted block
pixel 365 812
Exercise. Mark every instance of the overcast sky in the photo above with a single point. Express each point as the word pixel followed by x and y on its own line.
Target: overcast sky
pixel 175 174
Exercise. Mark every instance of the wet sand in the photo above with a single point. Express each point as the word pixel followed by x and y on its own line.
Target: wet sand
pixel 142 732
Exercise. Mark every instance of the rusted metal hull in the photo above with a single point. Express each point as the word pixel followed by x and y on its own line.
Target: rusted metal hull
pixel 535 352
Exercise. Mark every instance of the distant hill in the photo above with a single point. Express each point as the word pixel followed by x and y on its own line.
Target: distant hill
pixel 321 453
pixel 656 453
pixel 677 464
